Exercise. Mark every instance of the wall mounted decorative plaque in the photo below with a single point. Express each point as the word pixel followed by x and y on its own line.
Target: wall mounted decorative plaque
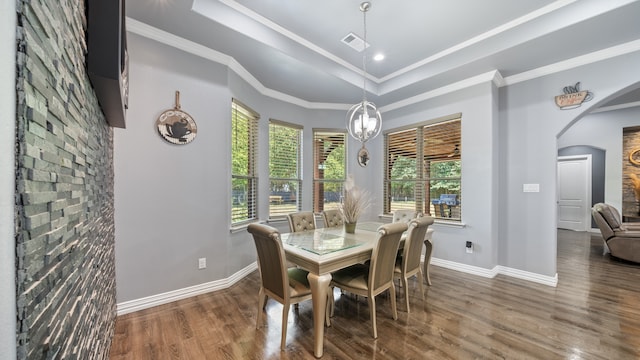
pixel 176 126
pixel 573 97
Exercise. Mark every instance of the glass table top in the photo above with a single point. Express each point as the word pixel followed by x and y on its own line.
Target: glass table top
pixel 320 242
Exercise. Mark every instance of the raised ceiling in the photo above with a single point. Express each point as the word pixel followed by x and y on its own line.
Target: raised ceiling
pixel 293 48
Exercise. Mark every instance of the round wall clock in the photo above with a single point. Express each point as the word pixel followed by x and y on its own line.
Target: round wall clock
pixel 176 126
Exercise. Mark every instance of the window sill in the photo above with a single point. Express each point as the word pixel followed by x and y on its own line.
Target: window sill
pixel 448 223
pixel 437 221
pixel 243 227
pixel 277 220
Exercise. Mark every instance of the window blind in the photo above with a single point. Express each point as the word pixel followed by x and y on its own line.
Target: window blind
pixel 329 168
pixel 244 179
pixel 418 177
pixel 285 168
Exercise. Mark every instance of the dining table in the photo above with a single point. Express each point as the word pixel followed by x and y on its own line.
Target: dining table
pixel 322 251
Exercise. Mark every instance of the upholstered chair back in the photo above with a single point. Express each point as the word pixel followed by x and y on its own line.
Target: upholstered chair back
pixel 413 244
pixel 271 260
pixel 383 257
pixel 404 215
pixel 302 221
pixel 332 218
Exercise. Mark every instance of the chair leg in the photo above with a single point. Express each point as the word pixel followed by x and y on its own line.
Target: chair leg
pixel 392 290
pixel 332 301
pixel 327 310
pixel 285 319
pixel 427 260
pixel 405 284
pixel 372 311
pixel 262 301
pixel 420 281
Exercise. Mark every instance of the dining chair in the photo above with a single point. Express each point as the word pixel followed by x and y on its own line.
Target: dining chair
pixel 376 277
pixel 301 221
pixel 332 218
pixel 408 265
pixel 285 285
pixel 404 215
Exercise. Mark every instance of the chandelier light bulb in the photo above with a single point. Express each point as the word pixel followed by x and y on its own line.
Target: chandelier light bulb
pixel 364 121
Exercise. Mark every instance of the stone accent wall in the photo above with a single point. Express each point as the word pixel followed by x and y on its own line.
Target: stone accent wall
pixel 66 303
pixel 630 141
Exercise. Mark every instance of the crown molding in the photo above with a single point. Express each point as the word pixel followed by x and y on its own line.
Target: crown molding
pixel 482 37
pixel 596 56
pixel 139 28
pixel 142 29
pixel 293 36
pixel 617 107
pixel 491 76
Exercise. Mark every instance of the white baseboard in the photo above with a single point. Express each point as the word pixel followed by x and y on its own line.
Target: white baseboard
pixel 529 276
pixel 170 296
pixel 469 269
pixel 491 273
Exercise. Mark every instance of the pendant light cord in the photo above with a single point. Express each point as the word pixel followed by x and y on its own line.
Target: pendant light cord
pixel 364 8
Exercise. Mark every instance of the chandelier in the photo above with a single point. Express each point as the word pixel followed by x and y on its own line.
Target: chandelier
pixel 363 119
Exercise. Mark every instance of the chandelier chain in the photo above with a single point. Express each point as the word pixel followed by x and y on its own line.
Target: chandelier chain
pixel 364 56
pixel 363 119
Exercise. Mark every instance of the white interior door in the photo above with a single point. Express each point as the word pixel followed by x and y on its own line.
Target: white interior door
pixel 574 192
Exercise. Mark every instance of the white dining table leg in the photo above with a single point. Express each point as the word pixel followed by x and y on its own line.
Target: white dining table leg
pixel 319 290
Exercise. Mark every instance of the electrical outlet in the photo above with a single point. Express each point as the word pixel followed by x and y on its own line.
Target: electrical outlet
pixel 469 247
pixel 202 263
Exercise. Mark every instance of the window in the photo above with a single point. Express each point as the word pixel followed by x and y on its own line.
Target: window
pixel 285 175
pixel 423 169
pixel 244 179
pixel 329 168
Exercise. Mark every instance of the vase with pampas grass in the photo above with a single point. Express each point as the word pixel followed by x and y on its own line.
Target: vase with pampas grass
pixel 354 202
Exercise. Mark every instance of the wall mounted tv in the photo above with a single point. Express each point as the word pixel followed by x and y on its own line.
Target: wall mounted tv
pixel 107 59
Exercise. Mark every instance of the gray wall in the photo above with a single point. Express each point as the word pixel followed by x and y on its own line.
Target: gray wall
pixel 530 124
pixel 175 208
pixel 603 130
pixel 7 186
pixel 479 171
pixel 65 268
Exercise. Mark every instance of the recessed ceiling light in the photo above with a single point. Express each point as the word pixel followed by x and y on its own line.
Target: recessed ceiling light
pixel 378 57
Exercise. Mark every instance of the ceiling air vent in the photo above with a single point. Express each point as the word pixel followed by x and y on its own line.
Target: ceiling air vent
pixel 355 42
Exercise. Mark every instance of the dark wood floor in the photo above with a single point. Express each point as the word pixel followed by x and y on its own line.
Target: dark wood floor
pixel 593 313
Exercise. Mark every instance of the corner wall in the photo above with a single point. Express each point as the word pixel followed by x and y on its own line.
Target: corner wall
pixel 530 124
pixel 7 184
pixel 64 177
pixel 603 130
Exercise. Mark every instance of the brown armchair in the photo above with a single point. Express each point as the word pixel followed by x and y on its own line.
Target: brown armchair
pixel 622 240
